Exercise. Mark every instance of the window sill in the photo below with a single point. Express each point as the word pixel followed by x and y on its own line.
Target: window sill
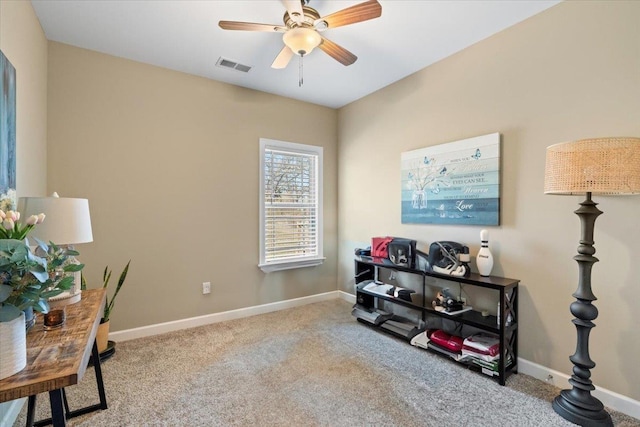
pixel 288 265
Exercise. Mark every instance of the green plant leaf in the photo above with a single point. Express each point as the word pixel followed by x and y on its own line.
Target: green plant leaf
pixel 5 292
pixel 42 276
pixel 109 304
pixel 8 312
pixel 65 283
pixel 42 245
pixel 73 268
pixel 28 277
pixel 30 296
pixel 41 306
pixel 106 276
pixel 51 293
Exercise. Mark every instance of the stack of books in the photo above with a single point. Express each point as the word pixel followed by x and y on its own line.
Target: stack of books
pixel 482 349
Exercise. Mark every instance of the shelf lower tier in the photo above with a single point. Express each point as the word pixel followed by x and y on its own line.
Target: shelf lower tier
pixel 370 315
pixel 410 333
pixel 511 368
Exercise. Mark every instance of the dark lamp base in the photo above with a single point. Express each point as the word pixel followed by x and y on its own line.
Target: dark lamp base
pixel 588 414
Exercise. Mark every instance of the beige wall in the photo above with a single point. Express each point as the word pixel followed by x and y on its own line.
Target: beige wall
pixel 571 72
pixel 169 163
pixel 160 156
pixel 23 42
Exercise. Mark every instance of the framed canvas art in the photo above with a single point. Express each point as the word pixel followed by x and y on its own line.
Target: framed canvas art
pixel 7 134
pixel 453 183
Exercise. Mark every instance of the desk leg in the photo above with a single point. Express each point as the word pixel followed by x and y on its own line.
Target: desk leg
pixel 98 370
pixel 31 409
pixel 57 409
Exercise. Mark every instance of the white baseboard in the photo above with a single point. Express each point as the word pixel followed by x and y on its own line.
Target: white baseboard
pixel 176 325
pixel 347 297
pixel 609 398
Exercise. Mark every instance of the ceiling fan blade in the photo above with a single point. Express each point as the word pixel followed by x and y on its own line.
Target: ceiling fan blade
pixel 337 52
pixel 360 12
pixel 251 26
pixel 283 58
pixel 294 8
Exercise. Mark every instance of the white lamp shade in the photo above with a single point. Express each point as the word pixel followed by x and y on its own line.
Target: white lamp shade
pixel 301 40
pixel 67 220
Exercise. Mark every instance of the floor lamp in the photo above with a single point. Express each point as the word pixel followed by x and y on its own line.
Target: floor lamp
pixel 590 166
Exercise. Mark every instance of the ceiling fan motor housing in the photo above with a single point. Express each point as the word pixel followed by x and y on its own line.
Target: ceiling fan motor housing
pixel 310 17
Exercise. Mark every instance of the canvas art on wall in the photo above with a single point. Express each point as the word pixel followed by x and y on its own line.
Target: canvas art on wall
pixel 453 183
pixel 7 134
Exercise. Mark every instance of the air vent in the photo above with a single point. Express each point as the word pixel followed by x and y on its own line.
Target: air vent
pixel 232 65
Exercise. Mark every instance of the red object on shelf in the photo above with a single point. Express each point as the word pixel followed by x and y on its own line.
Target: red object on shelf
pixel 380 246
pixel 444 340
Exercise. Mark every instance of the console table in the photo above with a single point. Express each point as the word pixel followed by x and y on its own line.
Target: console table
pixel 504 325
pixel 58 358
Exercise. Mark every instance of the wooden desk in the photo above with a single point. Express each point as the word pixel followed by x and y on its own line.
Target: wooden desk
pixel 59 358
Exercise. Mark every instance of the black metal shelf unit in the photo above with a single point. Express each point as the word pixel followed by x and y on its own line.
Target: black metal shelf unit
pixel 366 308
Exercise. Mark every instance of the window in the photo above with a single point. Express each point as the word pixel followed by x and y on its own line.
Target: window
pixel 290 205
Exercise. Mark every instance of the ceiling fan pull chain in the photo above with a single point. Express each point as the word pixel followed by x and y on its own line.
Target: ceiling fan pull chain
pixel 300 79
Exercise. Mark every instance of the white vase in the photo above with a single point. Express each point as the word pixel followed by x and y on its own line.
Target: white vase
pixel 484 259
pixel 13 352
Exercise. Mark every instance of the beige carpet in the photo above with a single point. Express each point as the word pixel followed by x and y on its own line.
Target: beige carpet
pixel 307 366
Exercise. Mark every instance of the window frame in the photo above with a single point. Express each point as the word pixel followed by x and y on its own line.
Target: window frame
pixel 300 261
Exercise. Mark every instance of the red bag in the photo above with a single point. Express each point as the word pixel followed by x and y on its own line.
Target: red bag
pixel 450 342
pixel 380 246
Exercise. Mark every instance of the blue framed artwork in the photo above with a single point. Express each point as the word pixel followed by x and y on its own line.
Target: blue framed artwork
pixel 7 134
pixel 453 183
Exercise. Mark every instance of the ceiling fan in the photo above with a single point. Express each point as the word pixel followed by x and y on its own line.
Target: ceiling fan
pixel 302 28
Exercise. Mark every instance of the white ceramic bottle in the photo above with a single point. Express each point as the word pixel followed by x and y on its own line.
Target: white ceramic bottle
pixel 484 259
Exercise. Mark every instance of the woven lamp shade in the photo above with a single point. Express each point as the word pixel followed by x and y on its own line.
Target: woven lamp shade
pixel 599 166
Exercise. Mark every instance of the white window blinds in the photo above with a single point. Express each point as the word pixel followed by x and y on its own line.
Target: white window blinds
pixel 290 220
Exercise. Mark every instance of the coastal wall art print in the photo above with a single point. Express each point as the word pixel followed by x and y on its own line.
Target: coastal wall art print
pixel 453 183
pixel 7 134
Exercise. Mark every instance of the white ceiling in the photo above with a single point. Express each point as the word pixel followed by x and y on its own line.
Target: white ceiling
pixel 183 35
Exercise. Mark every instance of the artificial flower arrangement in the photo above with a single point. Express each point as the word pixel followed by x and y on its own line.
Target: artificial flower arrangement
pixel 28 278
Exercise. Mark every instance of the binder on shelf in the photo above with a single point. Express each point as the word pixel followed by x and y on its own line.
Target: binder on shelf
pixel 369 315
pixel 437 348
pixel 403 329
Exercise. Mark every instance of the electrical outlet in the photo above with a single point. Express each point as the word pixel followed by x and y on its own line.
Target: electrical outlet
pixel 206 288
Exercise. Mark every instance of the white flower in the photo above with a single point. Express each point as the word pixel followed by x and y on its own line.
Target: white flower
pixel 8 223
pixel 32 220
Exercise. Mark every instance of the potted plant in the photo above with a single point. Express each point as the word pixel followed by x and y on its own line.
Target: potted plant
pixel 102 337
pixel 27 280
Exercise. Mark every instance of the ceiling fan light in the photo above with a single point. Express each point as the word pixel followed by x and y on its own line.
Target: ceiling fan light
pixel 301 40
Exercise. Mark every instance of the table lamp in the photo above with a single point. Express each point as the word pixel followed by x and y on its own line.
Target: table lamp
pixel 609 166
pixel 67 223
